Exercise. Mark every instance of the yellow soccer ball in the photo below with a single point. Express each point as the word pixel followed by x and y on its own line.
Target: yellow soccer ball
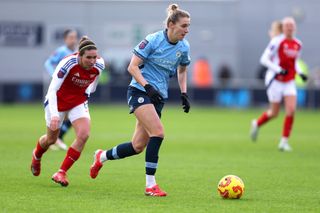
pixel 231 187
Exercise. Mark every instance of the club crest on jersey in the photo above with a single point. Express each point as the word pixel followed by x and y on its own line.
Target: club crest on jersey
pixel 92 75
pixel 272 47
pixel 178 54
pixel 140 100
pixel 61 74
pixel 143 44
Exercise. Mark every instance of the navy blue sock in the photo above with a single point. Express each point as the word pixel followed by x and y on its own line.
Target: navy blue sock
pixel 64 128
pixel 121 151
pixel 152 155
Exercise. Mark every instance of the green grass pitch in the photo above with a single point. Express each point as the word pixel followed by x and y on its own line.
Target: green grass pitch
pixel 199 148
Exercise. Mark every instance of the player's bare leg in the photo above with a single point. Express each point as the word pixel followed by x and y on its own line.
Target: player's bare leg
pixel 290 108
pixel 271 113
pixel 149 119
pixel 82 129
pixel 42 146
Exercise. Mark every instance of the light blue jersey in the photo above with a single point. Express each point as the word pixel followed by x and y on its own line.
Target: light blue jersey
pixel 54 59
pixel 160 60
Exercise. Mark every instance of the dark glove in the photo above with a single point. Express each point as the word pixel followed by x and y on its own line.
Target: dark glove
pixel 185 102
pixel 87 96
pixel 153 94
pixel 283 72
pixel 304 77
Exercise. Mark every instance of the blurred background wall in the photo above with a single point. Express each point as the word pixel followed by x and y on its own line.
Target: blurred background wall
pixel 227 34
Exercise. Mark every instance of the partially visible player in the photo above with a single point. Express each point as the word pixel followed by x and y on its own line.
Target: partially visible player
pixel 75 77
pixel 156 59
pixel 280 57
pixel 275 29
pixel 70 37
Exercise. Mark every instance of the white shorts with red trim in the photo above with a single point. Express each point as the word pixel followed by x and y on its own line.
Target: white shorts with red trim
pixel 277 90
pixel 80 111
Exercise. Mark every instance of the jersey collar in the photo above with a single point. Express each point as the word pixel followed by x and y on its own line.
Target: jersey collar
pixel 165 32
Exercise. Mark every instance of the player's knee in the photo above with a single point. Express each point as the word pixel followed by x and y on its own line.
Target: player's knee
pixel 83 135
pixel 158 132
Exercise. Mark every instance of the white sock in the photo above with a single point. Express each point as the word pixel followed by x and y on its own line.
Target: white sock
pixel 103 156
pixel 284 140
pixel 150 181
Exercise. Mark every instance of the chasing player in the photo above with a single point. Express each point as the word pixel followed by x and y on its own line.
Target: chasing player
pixel 70 38
pixel 157 58
pixel 75 77
pixel 280 57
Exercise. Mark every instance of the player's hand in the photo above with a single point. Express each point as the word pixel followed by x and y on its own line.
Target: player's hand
pixel 283 72
pixel 304 77
pixel 154 95
pixel 54 124
pixel 185 102
pixel 87 96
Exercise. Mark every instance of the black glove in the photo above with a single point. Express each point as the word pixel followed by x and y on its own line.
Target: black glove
pixel 283 72
pixel 185 102
pixel 304 77
pixel 153 94
pixel 87 95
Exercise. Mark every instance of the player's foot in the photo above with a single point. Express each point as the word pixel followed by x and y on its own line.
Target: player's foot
pixel 284 147
pixel 59 143
pixel 61 178
pixel 35 165
pixel 97 165
pixel 254 130
pixel 155 191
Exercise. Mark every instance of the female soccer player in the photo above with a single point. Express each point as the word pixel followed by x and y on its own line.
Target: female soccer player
pixel 280 57
pixel 75 77
pixel 70 38
pixel 275 29
pixel 157 58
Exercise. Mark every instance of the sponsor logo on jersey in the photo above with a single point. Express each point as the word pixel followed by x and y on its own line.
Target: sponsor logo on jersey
pixel 77 74
pixel 178 54
pixel 81 82
pixel 143 44
pixel 290 52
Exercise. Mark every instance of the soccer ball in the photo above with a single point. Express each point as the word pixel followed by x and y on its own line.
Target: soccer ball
pixel 231 187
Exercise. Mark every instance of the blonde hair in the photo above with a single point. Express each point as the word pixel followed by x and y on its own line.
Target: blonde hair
pixel 174 14
pixel 275 29
pixel 288 19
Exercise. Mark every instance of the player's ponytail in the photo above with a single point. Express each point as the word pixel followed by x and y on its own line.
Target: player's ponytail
pixel 174 14
pixel 86 44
